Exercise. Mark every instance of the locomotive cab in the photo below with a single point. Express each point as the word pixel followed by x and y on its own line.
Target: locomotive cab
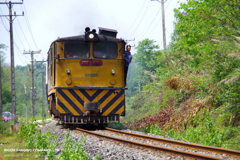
pixel 85 77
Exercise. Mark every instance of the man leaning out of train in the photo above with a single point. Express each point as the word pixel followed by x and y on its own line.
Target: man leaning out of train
pixel 128 60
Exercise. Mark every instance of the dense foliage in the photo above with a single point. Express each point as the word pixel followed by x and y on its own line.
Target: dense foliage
pixel 198 75
pixel 22 77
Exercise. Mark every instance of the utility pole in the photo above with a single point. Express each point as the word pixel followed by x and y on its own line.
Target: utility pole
pixel 163 24
pixel 26 103
pixel 10 5
pixel 43 109
pixel 33 82
pixel 0 86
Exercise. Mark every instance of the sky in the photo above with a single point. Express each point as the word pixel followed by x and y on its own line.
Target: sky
pixel 46 20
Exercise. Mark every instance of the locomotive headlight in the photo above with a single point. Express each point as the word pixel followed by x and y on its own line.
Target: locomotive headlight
pixel 91 36
pixel 113 71
pixel 68 71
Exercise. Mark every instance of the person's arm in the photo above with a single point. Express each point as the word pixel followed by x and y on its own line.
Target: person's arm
pixel 129 58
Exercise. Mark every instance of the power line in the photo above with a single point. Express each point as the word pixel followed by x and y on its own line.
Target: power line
pixel 168 32
pixel 158 23
pixel 4 26
pixel 168 4
pixel 1 17
pixel 163 23
pixel 153 28
pixel 25 63
pixel 135 18
pixel 24 34
pixel 3 22
pixel 18 47
pixel 18 36
pixel 144 32
pixel 28 24
pixel 149 4
pixel 29 28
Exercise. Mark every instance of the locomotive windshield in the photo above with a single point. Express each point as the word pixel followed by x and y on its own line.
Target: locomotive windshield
pixel 76 50
pixel 108 50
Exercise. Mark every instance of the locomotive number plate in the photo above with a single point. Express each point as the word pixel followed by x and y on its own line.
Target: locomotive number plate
pixel 91 75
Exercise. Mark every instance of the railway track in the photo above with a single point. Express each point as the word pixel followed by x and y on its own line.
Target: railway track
pixel 197 148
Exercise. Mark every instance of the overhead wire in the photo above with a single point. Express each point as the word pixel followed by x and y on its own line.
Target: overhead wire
pixel 28 25
pixel 19 52
pixel 148 5
pixel 18 36
pixel 20 40
pixel 4 26
pixel 29 28
pixel 153 28
pixel 25 63
pixel 15 44
pixel 3 22
pixel 168 31
pixel 135 18
pixel 24 34
pixel 145 31
pixel 159 21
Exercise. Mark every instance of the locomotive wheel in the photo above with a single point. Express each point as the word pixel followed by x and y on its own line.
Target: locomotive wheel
pixel 52 105
pixel 102 126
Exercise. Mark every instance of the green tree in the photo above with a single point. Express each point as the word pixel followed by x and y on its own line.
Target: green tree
pixel 147 51
pixel 144 64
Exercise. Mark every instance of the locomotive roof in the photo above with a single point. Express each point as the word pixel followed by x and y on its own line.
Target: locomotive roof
pixel 81 38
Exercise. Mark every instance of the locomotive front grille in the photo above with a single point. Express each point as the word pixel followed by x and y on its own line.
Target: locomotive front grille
pixel 78 101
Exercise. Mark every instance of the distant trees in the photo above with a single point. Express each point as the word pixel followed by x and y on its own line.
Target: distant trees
pixel 22 77
pixel 144 62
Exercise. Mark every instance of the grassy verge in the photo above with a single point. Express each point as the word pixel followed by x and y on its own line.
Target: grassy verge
pixel 188 115
pixel 14 142
pixel 38 145
pixel 36 140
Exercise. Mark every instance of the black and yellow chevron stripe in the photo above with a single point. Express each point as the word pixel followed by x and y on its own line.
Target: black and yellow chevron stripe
pixel 71 101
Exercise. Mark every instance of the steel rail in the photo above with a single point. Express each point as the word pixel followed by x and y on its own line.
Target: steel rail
pixel 185 144
pixel 169 150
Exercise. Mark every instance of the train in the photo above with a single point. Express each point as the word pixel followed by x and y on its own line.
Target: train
pixel 85 78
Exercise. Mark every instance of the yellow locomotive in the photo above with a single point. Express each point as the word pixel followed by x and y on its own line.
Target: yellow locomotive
pixel 85 78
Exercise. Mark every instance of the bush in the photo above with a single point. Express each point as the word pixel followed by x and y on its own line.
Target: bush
pixel 73 150
pixel 34 139
pixel 5 127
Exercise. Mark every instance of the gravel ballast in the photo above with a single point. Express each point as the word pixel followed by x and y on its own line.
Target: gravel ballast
pixel 108 149
pixel 157 143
